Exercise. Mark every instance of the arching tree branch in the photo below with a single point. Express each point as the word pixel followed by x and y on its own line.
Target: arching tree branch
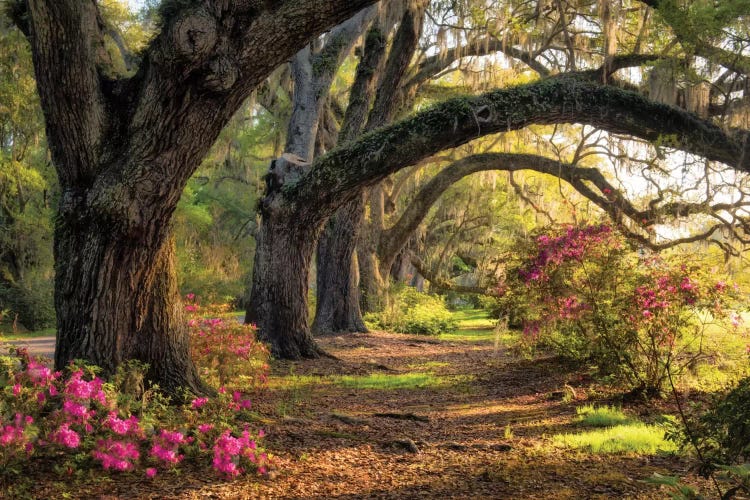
pixel 558 100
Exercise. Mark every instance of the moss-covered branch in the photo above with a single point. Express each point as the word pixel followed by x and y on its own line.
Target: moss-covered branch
pixel 336 176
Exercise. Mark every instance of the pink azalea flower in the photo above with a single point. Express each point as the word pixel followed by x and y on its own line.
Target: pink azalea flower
pixel 67 436
pixel 198 403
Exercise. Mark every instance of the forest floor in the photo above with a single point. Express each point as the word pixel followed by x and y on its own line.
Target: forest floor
pixel 403 416
pixel 476 421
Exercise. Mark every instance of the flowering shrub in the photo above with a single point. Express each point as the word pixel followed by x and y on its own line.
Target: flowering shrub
pixel 224 349
pixel 592 298
pixel 80 419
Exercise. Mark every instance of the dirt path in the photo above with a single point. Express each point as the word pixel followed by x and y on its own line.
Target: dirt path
pixel 37 346
pixel 477 422
pixel 483 431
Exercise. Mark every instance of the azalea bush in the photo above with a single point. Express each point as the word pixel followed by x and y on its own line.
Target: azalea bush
pixel 85 422
pixel 639 318
pixel 224 349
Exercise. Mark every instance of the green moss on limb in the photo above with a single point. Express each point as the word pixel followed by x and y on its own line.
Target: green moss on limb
pixel 338 175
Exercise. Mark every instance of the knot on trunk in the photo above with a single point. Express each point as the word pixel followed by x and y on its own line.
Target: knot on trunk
pixel 483 114
pixel 194 34
pixel 221 74
pixel 284 171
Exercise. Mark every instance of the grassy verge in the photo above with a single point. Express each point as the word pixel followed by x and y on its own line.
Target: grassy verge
pixel 608 430
pixel 10 336
pixel 475 325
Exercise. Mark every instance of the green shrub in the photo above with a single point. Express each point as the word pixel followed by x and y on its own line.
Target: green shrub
pixel 31 300
pixel 722 433
pixel 411 311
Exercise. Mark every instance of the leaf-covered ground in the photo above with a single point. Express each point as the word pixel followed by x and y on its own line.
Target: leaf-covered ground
pixel 400 416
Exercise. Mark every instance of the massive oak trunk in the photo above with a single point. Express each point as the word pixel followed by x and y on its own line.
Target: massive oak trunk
pixel 338 273
pixel 117 299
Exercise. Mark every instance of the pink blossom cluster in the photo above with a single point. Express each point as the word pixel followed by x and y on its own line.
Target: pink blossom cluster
pixel 119 455
pixel 228 450
pixel 239 403
pixel 83 390
pixel 571 307
pixel 14 434
pixel 572 245
pixel 66 436
pixel 130 426
pixel 166 446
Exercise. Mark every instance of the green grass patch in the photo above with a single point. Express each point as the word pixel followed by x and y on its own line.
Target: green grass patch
pixel 602 416
pixel 375 381
pixel 10 336
pixel 384 381
pixel 473 318
pixel 635 437
pixel 475 325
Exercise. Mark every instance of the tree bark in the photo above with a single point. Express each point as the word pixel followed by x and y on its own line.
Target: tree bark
pixel 338 273
pixel 278 300
pixel 346 225
pixel 338 307
pixel 117 299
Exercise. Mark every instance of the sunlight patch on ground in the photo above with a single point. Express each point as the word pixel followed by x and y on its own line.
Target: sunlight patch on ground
pixel 631 438
pixel 475 325
pixel 601 416
pixel 376 381
pixel 612 431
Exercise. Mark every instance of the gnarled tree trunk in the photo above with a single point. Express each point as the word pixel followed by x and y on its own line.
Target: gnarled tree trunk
pixel 338 273
pixel 125 146
pixel 278 300
pixel 117 299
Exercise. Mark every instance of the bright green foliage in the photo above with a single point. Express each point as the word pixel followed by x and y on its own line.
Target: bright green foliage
pixel 27 191
pixel 601 416
pixel 215 220
pixel 723 432
pixel 411 311
pixel 628 438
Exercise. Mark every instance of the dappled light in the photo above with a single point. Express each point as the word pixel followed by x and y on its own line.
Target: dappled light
pixel 374 249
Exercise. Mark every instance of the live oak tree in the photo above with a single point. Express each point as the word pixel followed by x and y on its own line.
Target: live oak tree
pixel 124 147
pixel 301 205
pixel 626 26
